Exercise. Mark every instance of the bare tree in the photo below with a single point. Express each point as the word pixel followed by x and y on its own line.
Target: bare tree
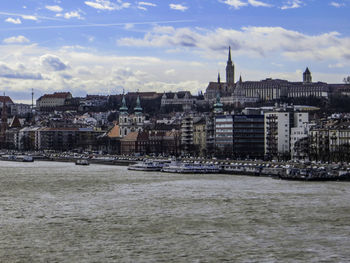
pixel 347 80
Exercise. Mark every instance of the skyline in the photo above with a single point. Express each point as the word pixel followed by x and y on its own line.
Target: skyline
pixel 103 47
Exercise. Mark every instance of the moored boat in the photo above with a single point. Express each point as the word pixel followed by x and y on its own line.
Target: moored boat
pixel 181 167
pixel 27 159
pixel 82 162
pixel 314 174
pixel 148 165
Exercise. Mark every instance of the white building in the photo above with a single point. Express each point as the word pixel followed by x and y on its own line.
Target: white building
pixel 282 130
pixel 20 109
pixel 277 133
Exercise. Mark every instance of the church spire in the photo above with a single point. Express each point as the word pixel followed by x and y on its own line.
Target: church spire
pixel 138 108
pixel 229 54
pixel 230 70
pixel 123 108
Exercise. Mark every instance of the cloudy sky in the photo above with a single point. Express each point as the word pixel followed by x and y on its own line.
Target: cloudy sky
pixel 105 46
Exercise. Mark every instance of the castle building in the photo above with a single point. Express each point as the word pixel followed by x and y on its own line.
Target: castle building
pixel 244 92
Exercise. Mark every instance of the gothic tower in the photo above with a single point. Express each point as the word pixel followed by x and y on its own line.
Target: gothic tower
pixel 307 76
pixel 230 70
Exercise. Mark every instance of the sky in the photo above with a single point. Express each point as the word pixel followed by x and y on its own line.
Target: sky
pixel 110 46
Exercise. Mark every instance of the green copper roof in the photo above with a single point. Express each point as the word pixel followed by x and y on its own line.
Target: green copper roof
pixel 123 108
pixel 138 108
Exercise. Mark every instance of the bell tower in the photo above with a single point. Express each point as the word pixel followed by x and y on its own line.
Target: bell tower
pixel 307 76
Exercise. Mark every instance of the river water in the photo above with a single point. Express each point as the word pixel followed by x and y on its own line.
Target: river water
pixel 59 212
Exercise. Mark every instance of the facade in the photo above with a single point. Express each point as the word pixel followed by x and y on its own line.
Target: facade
pixel 56 99
pixel 277 133
pixel 280 126
pixel 241 136
pixel 330 142
pixel 187 134
pixel 182 99
pixel 20 109
pixel 224 134
pixel 135 143
pixel 200 136
pixel 248 136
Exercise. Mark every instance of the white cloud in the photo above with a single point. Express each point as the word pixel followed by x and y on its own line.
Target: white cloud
pixel 336 4
pixel 54 8
pixel 251 41
pixel 147 4
pixel 73 14
pixel 17 39
pixel 292 4
pixel 29 17
pixel 144 5
pixel 237 4
pixel 178 7
pixel 256 3
pixel 13 20
pixel 107 5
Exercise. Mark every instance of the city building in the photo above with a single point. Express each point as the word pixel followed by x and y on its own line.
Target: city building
pixel 248 136
pixel 50 101
pixel 200 137
pixel 278 131
pixel 223 138
pixel 182 99
pixel 187 134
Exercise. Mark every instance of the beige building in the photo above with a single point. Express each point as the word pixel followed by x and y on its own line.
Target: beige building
pixel 53 100
pixel 200 136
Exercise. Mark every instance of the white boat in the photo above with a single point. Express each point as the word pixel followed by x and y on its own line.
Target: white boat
pixel 147 166
pixel 27 158
pixel 179 167
pixel 82 162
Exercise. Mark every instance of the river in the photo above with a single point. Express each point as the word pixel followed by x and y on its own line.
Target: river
pixel 60 212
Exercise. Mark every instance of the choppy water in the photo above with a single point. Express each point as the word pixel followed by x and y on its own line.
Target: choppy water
pixel 58 212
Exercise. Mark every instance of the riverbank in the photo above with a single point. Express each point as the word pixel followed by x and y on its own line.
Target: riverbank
pixel 290 170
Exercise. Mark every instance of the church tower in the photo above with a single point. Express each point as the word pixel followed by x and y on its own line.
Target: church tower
pixel 307 76
pixel 124 120
pixel 139 118
pixel 230 70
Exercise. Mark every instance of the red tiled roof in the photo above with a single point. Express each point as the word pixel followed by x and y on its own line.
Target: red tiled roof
pixel 62 95
pixel 6 98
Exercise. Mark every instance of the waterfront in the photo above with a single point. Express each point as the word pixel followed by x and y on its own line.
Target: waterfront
pixel 59 212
